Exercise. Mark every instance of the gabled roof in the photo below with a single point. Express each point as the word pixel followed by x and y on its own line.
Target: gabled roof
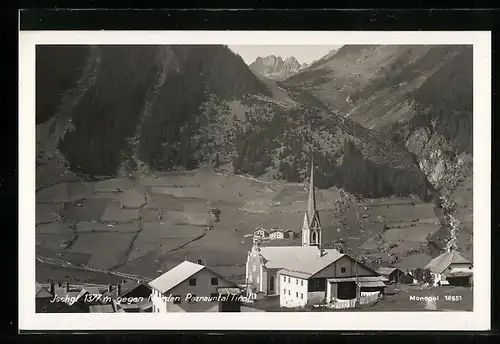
pixel 305 259
pixel 175 276
pixel 385 270
pixel 179 274
pixel 441 263
pixel 41 292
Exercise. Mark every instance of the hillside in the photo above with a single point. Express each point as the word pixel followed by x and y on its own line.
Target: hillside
pixel 420 96
pixel 186 107
pixel 275 67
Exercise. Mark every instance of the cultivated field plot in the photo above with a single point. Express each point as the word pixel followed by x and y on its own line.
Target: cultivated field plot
pixel 89 210
pixel 107 249
pixel 418 233
pixel 399 213
pixel 47 272
pixel 414 260
pixel 216 248
pixel 180 192
pixel 45 213
pixel 144 247
pixel 53 194
pixel 88 226
pixel 113 185
pixel 53 241
pixel 132 199
pixel 156 201
pixel 155 230
pixel 114 213
pixel 52 228
pixel 187 218
pixel 170 180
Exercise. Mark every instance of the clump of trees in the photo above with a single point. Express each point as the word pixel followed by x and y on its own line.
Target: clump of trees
pixel 423 275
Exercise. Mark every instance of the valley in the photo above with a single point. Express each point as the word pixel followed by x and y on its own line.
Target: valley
pixel 128 171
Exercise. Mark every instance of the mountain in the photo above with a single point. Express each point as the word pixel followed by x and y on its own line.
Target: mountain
pixel 130 110
pixel 421 96
pixel 275 68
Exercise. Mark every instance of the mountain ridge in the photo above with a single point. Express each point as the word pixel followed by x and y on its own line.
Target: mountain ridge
pixel 275 67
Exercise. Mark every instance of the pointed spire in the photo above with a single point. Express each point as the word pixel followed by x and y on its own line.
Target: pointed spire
pixel 311 206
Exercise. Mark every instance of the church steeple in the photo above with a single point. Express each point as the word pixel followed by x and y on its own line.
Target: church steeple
pixel 311 228
pixel 311 204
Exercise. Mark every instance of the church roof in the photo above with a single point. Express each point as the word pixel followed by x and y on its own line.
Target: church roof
pixel 304 259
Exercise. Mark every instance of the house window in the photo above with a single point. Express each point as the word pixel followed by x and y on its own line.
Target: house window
pixel 214 281
pixel 284 291
pixel 301 283
pixel 192 282
pixel 284 278
pixel 288 279
pixel 297 281
pixel 342 269
pixel 288 292
pixel 297 294
pixel 301 296
pixel 271 283
pixel 177 299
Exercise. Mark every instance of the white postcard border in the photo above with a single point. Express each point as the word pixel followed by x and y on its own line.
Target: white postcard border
pixel 479 319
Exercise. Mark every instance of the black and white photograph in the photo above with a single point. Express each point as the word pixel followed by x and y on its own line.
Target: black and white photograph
pixel 285 177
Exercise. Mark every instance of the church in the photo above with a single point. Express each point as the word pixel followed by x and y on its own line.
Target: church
pixel 301 273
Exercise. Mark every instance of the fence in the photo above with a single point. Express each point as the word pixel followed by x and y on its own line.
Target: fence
pixel 368 297
pixel 342 304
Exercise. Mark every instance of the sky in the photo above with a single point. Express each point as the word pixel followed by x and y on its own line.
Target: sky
pixel 303 53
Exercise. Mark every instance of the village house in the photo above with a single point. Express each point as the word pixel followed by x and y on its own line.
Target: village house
pixel 190 287
pixel 395 275
pixel 289 234
pixel 451 268
pixel 261 233
pixel 275 234
pixel 300 274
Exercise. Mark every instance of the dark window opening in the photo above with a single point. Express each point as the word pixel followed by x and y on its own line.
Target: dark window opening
pixel 342 270
pixel 192 282
pixel 214 281
pixel 271 283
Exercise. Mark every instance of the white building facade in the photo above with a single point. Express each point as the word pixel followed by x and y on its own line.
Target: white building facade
pixel 293 291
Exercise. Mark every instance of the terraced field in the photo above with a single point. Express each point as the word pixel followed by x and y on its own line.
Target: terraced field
pixel 147 226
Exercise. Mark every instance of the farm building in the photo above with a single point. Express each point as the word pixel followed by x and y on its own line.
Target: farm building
pixel 451 268
pixel 395 275
pixel 289 234
pixel 325 278
pixel 190 287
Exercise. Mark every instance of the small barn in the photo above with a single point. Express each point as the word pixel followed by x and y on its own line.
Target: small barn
pixel 451 268
pixel 395 275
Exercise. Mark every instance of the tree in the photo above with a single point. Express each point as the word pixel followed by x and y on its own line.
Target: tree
pixel 423 275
